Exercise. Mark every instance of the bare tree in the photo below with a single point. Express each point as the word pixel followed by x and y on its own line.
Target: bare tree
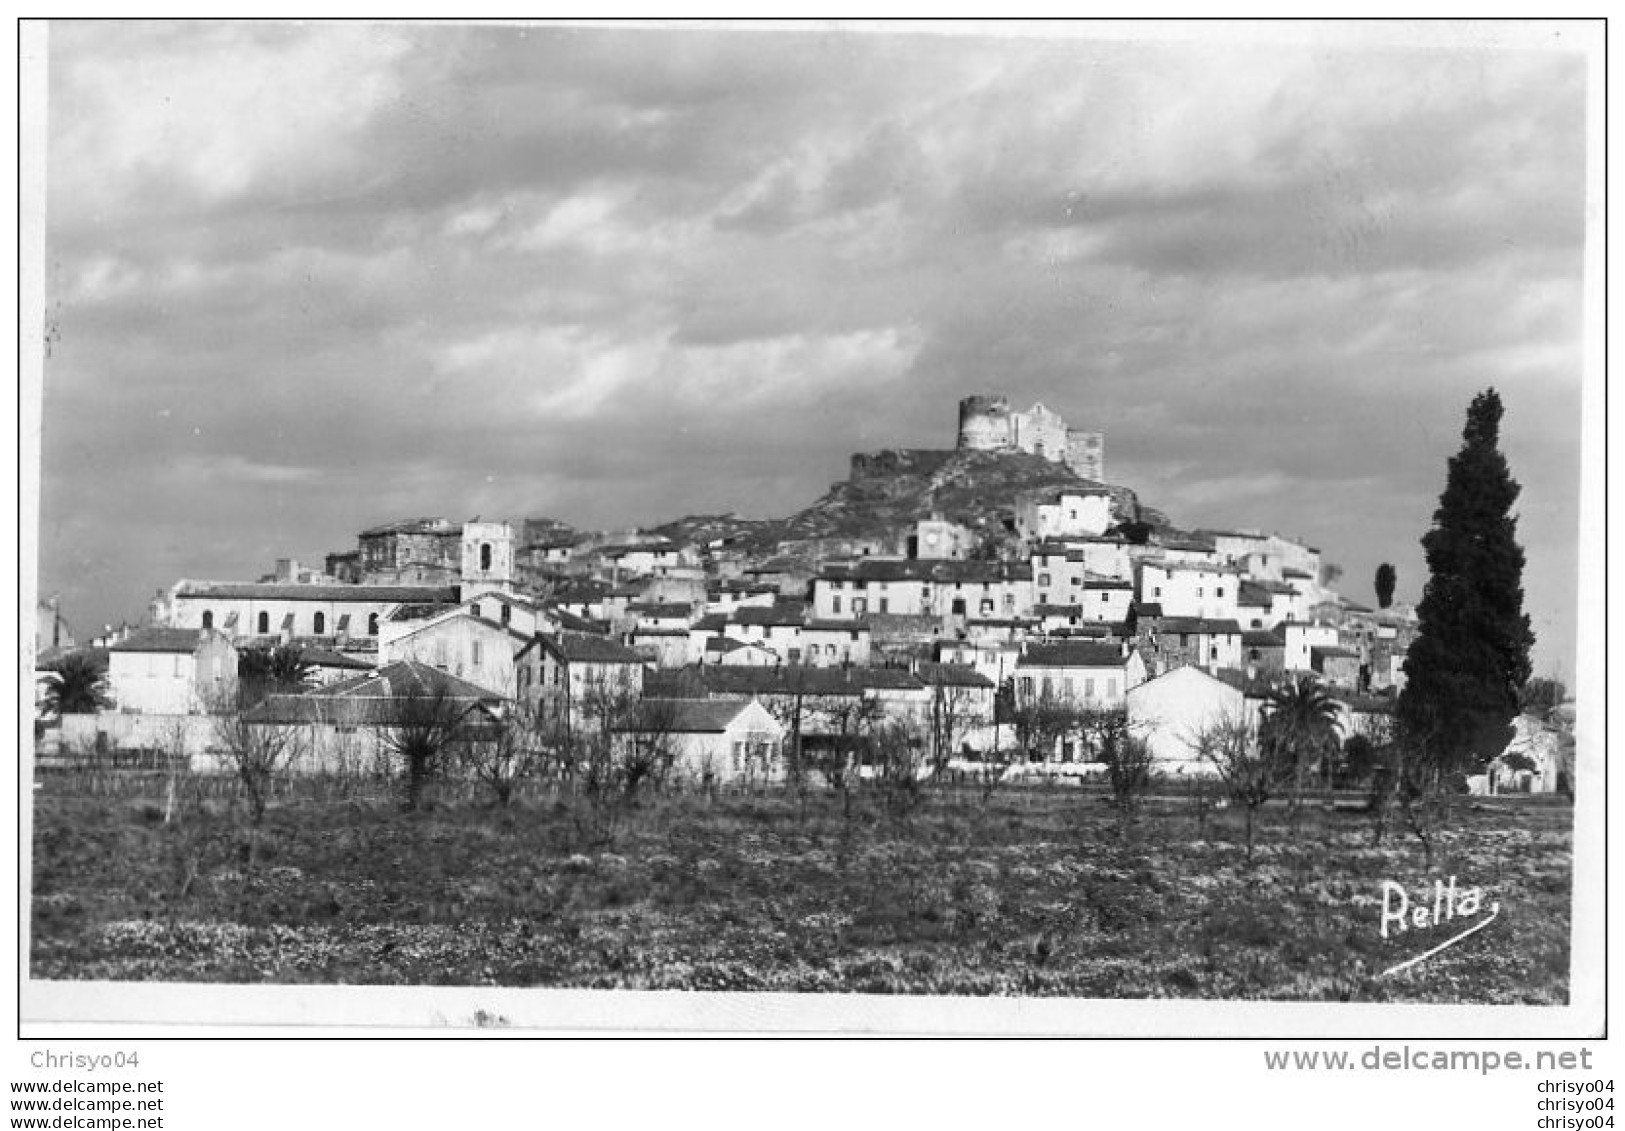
pixel 895 748
pixel 424 722
pixel 259 752
pixel 648 748
pixel 848 719
pixel 1127 757
pixel 1248 771
pixel 952 715
pixel 506 752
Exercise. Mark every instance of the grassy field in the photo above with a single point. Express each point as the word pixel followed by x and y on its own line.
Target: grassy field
pixel 1035 892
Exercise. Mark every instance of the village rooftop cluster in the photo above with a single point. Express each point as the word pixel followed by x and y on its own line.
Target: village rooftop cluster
pixel 926 627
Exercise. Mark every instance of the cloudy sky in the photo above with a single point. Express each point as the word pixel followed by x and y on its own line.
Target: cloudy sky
pixel 304 279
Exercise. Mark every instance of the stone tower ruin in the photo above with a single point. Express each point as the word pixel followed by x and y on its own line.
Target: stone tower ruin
pixel 986 424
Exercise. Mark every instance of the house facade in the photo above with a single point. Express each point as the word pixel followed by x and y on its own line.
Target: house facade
pixel 169 671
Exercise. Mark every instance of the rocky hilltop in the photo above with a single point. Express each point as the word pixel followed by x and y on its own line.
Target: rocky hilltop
pixel 888 491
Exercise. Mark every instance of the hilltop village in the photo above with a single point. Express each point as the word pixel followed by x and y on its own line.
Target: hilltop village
pixel 1003 572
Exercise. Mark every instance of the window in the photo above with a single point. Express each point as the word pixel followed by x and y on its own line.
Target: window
pixel 1047 688
pixel 264 624
pixel 1043 579
pixel 1111 687
pixel 485 557
pixel 372 624
pixel 1026 687
pixel 1104 597
pixel 1219 592
pixel 507 614
pixel 835 604
pixel 885 604
pixel 859 606
pixel 1198 590
pixel 319 624
pixel 179 669
pixel 1213 652
pixel 1077 580
pixel 1089 688
pixel 475 652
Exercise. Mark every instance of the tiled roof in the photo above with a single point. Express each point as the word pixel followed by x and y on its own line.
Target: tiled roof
pixel 581 649
pixel 684 716
pixel 885 679
pixel 1250 535
pixel 936 572
pixel 159 640
pixel 724 644
pixel 1254 687
pixel 1332 654
pixel 660 610
pixel 787 612
pixel 1200 626
pixel 1252 596
pixel 779 680
pixel 951 675
pixel 404 677
pixel 327 658
pixel 272 591
pixel 1192 544
pixel 846 628
pixel 1297 573
pixel 1072 654
pixel 569 622
pixel 1258 638
pixel 1193 567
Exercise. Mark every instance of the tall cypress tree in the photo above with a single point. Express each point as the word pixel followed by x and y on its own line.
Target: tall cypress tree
pixel 1384 584
pixel 1471 653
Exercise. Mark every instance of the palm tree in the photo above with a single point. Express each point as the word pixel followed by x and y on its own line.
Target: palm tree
pixel 273 671
pixel 78 686
pixel 1300 728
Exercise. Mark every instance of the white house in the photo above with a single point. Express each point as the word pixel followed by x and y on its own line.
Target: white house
pixel 719 740
pixel 171 671
pixel 1191 589
pixel 1086 674
pixel 1063 513
pixel 461 643
pixel 571 670
pixel 1170 711
pixel 1301 640
pixel 739 653
pixel 511 610
pixel 1544 746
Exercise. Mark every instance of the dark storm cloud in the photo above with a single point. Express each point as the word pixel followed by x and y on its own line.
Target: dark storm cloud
pixel 309 278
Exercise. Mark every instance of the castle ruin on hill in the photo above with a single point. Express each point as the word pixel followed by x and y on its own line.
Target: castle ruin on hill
pixel 986 424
